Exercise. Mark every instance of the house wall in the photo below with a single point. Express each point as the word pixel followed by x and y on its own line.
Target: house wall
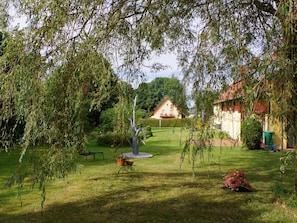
pixel 279 136
pixel 217 118
pixel 274 123
pixel 227 115
pixel 231 123
pixel 228 120
pixel 166 109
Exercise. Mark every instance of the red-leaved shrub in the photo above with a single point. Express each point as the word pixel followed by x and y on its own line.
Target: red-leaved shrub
pixel 237 181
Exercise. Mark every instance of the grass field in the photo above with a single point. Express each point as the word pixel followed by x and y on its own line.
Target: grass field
pixel 156 189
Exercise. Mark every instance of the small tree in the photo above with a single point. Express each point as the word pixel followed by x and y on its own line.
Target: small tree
pixel 251 133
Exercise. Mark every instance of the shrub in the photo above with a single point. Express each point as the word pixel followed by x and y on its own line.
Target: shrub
pixel 107 120
pixel 251 133
pixel 113 140
pixel 237 181
pixel 148 131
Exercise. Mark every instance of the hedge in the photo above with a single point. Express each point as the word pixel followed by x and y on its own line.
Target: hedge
pixel 185 122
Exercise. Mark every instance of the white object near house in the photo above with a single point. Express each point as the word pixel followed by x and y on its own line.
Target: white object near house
pixel 166 109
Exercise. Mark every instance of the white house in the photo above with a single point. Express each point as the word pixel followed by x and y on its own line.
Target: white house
pixel 166 109
pixel 229 112
pixel 227 116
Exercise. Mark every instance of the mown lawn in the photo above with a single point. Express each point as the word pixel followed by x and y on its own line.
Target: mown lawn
pixel 156 189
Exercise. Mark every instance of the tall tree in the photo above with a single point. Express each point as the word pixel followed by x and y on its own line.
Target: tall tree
pixel 212 38
pixel 151 94
pixel 12 126
pixel 143 99
pixel 53 101
pixel 204 100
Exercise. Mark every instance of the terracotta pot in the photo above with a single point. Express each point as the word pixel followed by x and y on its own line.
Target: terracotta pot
pixel 121 161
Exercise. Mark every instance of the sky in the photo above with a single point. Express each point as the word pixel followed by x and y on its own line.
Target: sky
pixel 168 60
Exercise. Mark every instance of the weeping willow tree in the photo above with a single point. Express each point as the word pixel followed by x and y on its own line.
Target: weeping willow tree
pixel 211 38
pixel 52 100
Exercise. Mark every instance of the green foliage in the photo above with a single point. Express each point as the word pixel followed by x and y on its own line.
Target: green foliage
pixel 120 139
pixel 51 67
pixel 199 141
pixel 12 131
pixel 114 140
pixel 143 97
pixel 153 93
pixel 107 120
pixel 204 100
pixel 148 128
pixel 50 103
pixel 251 133
pixel 140 113
pixel 2 43
pixel 148 131
pixel 279 188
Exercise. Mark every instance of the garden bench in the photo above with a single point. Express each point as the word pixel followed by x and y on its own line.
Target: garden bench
pixel 86 154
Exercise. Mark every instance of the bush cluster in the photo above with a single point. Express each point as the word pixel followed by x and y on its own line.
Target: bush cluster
pixel 237 181
pixel 111 139
pixel 251 133
pixel 148 131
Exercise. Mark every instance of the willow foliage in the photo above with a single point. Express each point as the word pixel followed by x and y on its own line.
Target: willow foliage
pixel 49 65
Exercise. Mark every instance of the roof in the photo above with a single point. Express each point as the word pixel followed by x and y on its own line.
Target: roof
pixel 166 98
pixel 233 91
pixel 236 91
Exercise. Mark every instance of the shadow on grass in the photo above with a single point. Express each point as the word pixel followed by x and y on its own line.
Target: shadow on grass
pixel 189 201
pixel 113 208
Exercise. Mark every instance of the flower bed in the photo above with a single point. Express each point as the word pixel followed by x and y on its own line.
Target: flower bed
pixel 237 181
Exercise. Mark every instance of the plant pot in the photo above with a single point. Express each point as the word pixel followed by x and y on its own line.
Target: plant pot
pixel 121 162
pixel 129 162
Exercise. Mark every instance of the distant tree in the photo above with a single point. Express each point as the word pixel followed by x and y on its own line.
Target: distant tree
pixel 94 115
pixel 115 118
pixel 151 94
pixel 143 100
pixel 204 100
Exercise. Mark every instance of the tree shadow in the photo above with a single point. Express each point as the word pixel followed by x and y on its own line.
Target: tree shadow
pixel 138 203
